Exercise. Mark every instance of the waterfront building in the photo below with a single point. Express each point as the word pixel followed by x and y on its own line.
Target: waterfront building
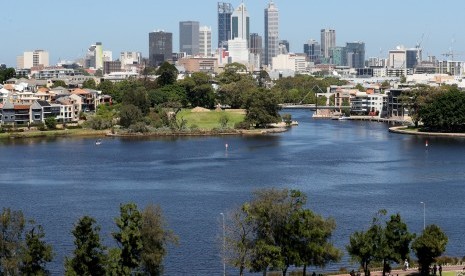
pixel 240 23
pixel 225 11
pixel 160 47
pixel 328 41
pixel 35 58
pixel 205 41
pixel 271 33
pixel 313 50
pixel 189 37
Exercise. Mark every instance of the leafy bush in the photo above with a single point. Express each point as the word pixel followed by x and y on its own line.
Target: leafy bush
pixel 242 125
pixel 138 127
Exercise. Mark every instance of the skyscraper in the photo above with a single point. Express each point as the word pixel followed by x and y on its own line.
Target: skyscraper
pixel 160 47
pixel 313 50
pixel 225 11
pixel 256 49
pixel 271 33
pixel 189 37
pixel 355 52
pixel 284 46
pixel 328 40
pixel 31 59
pixel 205 41
pixel 240 23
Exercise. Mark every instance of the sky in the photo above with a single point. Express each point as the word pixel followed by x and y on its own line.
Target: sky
pixel 67 28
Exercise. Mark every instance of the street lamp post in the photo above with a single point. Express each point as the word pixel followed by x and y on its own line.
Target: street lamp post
pixel 424 215
pixel 224 247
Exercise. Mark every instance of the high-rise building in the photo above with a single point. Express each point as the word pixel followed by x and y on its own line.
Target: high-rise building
pixel 240 23
pixel 313 50
pixel 160 47
pixel 284 44
pixel 337 56
pixel 271 33
pixel 189 37
pixel 32 59
pixel 225 11
pixel 328 40
pixel 256 44
pixel 130 58
pixel 205 41
pixel 94 56
pixel 355 52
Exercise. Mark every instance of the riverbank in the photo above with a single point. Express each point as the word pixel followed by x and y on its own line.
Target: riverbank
pixel 27 134
pixel 415 131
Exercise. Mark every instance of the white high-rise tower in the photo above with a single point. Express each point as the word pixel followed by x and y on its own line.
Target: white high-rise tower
pixel 328 41
pixel 240 23
pixel 271 33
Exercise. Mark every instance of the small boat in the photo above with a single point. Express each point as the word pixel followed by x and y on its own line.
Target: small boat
pixel 98 142
pixel 343 118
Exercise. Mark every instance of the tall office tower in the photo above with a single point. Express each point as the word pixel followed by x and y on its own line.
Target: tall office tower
pixel 160 47
pixel 338 56
pixel 271 33
pixel 31 59
pixel 225 11
pixel 94 56
pixel 240 23
pixel 205 41
pixel 328 40
pixel 313 50
pixel 256 48
pixel 285 45
pixel 355 52
pixel 256 44
pixel 413 57
pixel 189 37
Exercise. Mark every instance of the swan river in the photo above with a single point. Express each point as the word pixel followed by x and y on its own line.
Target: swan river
pixel 348 169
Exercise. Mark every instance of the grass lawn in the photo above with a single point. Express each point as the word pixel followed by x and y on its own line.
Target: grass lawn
pixel 211 119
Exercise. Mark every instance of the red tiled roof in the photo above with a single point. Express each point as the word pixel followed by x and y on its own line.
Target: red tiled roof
pixel 21 106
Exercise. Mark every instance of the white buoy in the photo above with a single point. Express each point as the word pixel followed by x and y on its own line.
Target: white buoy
pixel 426 143
pixel 226 146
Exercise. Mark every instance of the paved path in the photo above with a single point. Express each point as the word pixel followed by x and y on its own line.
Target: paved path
pixel 414 271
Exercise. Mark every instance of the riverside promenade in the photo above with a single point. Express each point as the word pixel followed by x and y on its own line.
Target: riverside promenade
pixel 405 130
pixel 447 270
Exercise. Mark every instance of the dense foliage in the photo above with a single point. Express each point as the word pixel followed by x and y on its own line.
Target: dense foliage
pixel 444 112
pixel 428 246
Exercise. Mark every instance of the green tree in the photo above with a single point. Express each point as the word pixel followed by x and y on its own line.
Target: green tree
pixel 428 246
pixel 6 74
pixel 58 83
pixel 233 93
pixel 444 112
pixel 168 93
pixel 167 74
pixel 51 123
pixel 224 120
pixel 139 98
pixel 129 238
pixel 287 118
pixel 199 90
pixel 129 114
pixel 36 253
pixel 155 239
pixel 309 240
pixel 88 256
pixel 89 83
pixel 381 243
pixel 233 72
pixel 108 88
pixel 360 87
pixel 262 107
pixel 12 224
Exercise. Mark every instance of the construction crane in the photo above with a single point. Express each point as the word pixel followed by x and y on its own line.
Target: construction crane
pixel 452 54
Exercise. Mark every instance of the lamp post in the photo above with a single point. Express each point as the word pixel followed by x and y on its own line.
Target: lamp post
pixel 424 215
pixel 224 247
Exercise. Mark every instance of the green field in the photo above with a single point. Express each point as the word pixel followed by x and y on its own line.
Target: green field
pixel 211 119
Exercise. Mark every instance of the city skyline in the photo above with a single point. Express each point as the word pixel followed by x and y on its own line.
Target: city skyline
pixel 65 29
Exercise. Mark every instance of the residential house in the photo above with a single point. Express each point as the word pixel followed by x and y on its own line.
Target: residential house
pixel 40 110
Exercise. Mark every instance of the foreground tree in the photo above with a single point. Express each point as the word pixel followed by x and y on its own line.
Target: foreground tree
pixel 129 238
pixel 383 244
pixel 88 256
pixel 37 253
pixel 262 107
pixel 155 239
pixel 12 224
pixel 167 74
pixel 273 230
pixel 429 245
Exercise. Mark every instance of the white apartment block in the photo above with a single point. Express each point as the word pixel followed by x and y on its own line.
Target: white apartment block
pixel 296 63
pixel 130 58
pixel 31 59
pixel 205 41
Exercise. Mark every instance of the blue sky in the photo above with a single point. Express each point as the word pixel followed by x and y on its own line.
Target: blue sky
pixel 66 28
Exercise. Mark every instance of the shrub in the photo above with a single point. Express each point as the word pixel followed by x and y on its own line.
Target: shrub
pixel 242 125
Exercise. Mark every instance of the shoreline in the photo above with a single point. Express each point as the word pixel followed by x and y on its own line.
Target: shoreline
pixel 404 130
pixel 107 133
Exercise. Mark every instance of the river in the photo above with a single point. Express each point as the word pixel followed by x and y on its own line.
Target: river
pixel 348 170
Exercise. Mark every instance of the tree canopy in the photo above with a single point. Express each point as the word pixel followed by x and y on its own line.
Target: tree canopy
pixel 428 246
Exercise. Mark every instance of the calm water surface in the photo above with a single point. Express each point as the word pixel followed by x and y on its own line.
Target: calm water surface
pixel 349 170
